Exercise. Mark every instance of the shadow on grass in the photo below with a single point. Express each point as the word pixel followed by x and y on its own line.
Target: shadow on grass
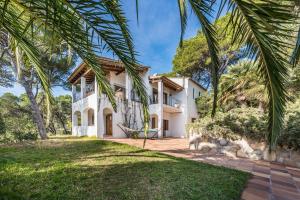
pixel 107 170
pixel 140 180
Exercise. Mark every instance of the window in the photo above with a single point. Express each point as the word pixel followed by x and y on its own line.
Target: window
pixel 165 101
pixel 153 125
pixel 91 117
pixel 193 93
pixel 166 125
pixel 119 91
pixel 154 96
pixel 199 94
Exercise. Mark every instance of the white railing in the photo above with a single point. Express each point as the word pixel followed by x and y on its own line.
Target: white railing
pixel 89 89
pixel 173 102
pixel 76 97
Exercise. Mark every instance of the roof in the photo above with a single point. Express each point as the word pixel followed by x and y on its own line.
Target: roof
pixel 167 82
pixel 198 84
pixel 184 77
pixel 107 64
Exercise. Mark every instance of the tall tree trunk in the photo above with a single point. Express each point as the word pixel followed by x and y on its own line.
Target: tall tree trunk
pixel 62 122
pixel 36 113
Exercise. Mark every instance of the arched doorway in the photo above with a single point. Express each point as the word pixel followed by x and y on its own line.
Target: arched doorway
pixel 108 119
pixel 77 118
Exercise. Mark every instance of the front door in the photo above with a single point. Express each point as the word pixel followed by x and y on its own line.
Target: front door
pixel 108 124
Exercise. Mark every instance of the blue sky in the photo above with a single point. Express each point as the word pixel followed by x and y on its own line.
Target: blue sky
pixel 155 38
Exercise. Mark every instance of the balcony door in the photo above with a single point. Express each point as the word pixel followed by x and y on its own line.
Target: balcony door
pixel 154 96
pixel 165 99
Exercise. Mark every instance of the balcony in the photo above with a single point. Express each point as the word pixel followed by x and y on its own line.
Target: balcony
pixel 76 96
pixel 89 89
pixel 172 102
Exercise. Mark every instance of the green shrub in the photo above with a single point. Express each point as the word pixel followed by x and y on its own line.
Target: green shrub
pixel 234 124
pixel 290 137
pixel 2 126
pixel 18 136
pixel 21 136
pixel 251 124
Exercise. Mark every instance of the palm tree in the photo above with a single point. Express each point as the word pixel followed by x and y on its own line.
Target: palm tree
pixel 13 57
pixel 261 26
pixel 88 27
pixel 242 85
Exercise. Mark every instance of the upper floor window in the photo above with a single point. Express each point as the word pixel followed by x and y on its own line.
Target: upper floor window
pixel 120 92
pixel 193 93
pixel 154 99
pixel 165 100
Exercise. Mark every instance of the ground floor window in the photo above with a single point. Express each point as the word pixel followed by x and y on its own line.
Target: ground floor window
pixel 153 125
pixel 166 125
pixel 91 117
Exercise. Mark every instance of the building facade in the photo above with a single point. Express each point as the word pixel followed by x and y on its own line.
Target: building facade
pixel 171 102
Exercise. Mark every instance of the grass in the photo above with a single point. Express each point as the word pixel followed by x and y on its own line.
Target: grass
pixel 94 169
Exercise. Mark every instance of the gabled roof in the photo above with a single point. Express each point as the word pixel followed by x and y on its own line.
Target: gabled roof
pixel 167 82
pixel 107 64
pixel 198 84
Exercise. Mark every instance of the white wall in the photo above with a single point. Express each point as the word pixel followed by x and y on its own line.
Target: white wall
pixel 99 103
pixel 82 106
pixel 192 106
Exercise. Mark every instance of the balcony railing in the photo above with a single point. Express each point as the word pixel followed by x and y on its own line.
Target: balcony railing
pixel 170 101
pixel 89 89
pixel 76 96
pixel 173 102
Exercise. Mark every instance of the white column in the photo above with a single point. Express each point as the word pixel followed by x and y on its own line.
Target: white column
pixel 128 87
pixel 74 121
pixel 73 93
pixel 83 87
pixel 160 109
pixel 97 112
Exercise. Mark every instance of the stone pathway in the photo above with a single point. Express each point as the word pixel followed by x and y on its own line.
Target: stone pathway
pixel 270 180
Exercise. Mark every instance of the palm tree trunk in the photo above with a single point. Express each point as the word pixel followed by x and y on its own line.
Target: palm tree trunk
pixel 36 113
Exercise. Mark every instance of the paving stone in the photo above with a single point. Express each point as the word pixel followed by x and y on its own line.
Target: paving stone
pixel 270 180
pixel 254 194
pixel 290 188
pixel 285 194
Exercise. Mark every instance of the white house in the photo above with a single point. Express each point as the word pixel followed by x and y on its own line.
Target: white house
pixel 171 102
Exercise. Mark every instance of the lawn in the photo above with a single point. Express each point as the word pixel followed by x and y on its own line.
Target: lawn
pixel 95 169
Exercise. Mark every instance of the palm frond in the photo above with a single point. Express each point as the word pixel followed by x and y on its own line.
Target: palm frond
pixel 203 9
pixel 89 27
pixel 296 53
pixel 13 21
pixel 261 26
pixel 183 18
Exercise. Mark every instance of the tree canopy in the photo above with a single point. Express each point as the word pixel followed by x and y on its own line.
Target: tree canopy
pixel 193 59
